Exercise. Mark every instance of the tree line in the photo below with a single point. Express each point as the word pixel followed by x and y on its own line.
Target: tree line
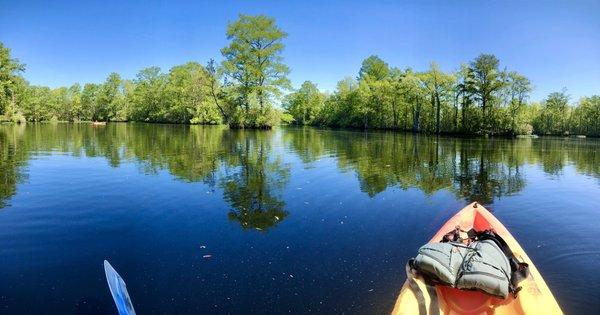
pixel 240 91
pixel 480 98
pixel 245 89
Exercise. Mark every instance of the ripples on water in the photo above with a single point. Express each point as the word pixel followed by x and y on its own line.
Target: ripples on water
pixel 294 219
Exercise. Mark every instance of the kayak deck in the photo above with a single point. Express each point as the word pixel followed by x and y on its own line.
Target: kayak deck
pixel 534 298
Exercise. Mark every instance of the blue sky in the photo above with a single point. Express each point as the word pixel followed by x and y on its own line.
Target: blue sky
pixel 554 43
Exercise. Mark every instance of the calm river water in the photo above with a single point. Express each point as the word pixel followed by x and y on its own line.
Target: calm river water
pixel 295 220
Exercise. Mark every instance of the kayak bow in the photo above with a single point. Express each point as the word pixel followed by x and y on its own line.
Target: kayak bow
pixel 534 298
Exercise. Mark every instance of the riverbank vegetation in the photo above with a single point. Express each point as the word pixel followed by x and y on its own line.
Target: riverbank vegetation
pixel 240 92
pixel 480 97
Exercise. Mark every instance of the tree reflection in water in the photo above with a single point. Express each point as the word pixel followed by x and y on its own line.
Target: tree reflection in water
pixel 250 169
pixel 255 180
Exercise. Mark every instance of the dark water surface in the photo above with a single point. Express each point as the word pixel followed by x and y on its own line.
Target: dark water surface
pixel 296 220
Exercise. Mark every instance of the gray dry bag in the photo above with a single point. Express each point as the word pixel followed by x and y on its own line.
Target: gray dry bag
pixel 480 266
pixel 485 268
pixel 440 261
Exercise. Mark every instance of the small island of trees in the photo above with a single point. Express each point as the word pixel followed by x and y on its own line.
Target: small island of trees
pixel 250 89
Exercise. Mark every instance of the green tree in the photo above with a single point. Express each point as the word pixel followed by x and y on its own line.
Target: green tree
pixel 414 94
pixel 484 80
pixel 585 118
pixel 147 99
pixel 254 67
pixel 89 95
pixel 217 93
pixel 36 108
pixel 109 98
pixel 188 96
pixel 74 102
pixel 340 109
pixel 465 91
pixel 59 104
pixel 10 70
pixel 519 88
pixel 374 67
pixel 398 108
pixel 19 99
pixel 554 115
pixel 438 85
pixel 305 104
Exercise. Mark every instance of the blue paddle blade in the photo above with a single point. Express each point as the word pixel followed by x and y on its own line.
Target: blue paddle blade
pixel 118 289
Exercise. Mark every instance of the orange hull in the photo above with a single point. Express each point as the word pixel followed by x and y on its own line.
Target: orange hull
pixel 534 298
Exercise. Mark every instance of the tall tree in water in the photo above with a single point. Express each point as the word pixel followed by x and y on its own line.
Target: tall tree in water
pixel 10 69
pixel 254 67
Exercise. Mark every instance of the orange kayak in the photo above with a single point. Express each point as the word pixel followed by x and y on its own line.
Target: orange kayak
pixel 534 298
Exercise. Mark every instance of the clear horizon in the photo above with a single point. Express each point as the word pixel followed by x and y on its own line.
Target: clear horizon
pixel 556 45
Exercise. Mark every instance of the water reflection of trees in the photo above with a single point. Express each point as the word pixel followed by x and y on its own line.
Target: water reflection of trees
pixel 13 158
pixel 473 169
pixel 254 179
pixel 248 165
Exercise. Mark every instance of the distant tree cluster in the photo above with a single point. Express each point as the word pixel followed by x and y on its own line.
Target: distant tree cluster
pixel 240 92
pixel 479 98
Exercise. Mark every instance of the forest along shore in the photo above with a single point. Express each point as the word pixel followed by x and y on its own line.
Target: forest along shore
pixel 250 88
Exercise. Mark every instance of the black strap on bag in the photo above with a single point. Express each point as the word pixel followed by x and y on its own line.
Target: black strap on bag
pixel 453 236
pixel 434 308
